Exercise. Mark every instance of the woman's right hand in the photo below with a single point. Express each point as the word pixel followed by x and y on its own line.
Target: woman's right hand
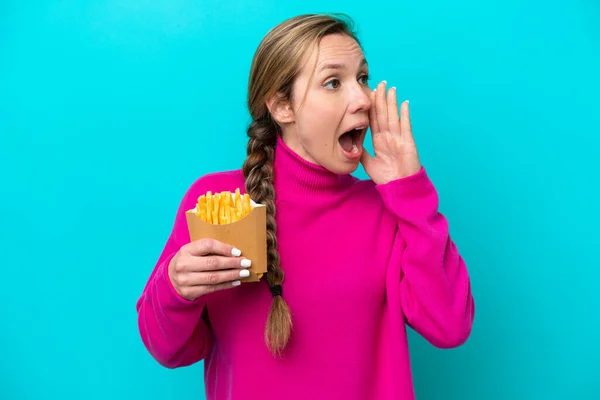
pixel 205 266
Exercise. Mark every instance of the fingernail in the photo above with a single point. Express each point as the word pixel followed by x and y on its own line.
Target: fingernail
pixel 246 263
pixel 244 273
pixel 236 283
pixel 236 252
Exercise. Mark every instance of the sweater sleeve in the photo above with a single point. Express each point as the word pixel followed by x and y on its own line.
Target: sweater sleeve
pixel 173 329
pixel 435 290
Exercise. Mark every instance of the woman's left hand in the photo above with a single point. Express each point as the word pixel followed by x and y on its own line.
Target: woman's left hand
pixel 395 150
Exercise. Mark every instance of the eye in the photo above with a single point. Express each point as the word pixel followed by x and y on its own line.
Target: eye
pixel 334 82
pixel 365 79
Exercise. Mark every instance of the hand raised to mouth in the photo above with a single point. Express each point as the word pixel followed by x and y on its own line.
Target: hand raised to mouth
pixel 396 154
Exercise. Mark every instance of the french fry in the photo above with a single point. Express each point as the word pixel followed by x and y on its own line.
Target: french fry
pixel 223 213
pixel 246 205
pixel 216 207
pixel 238 203
pixel 201 208
pixel 209 207
pixel 199 204
pixel 223 207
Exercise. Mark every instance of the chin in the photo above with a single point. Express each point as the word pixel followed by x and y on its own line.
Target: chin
pixel 342 167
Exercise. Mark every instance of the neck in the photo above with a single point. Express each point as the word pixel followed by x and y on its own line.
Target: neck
pixel 295 175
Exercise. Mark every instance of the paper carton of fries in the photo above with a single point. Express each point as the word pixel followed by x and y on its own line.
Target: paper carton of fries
pixel 233 219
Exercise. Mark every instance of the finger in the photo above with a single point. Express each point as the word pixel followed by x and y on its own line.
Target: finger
pixel 210 277
pixel 214 263
pixel 373 114
pixel 193 292
pixel 210 246
pixel 392 110
pixel 405 124
pixel 381 104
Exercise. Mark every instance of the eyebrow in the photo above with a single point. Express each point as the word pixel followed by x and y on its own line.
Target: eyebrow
pixel 339 66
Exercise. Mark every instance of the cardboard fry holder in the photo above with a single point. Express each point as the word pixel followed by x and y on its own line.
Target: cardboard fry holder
pixel 249 234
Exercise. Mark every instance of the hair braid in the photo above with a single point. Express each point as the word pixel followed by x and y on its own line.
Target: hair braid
pixel 258 171
pixel 277 62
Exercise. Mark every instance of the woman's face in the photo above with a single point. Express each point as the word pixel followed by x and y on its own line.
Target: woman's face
pixel 335 100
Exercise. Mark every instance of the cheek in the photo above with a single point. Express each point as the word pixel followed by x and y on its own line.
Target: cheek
pixel 319 122
pixel 325 114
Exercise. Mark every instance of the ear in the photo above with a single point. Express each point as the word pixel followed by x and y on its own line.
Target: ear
pixel 280 109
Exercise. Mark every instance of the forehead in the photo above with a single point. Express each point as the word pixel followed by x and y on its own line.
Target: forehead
pixel 338 46
pixel 335 48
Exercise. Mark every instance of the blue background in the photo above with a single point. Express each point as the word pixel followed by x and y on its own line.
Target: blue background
pixel 110 109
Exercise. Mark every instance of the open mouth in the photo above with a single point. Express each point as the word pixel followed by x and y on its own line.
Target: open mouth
pixel 351 141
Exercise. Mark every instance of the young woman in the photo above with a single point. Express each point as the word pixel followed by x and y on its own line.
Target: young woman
pixel 363 259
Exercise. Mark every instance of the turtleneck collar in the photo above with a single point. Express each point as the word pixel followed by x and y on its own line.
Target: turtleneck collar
pixel 296 175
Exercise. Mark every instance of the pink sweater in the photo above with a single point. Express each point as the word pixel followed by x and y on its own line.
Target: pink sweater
pixel 361 261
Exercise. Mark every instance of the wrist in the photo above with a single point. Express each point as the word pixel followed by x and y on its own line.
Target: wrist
pixel 416 172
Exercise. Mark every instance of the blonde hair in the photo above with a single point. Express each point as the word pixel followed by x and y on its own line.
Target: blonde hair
pixel 275 65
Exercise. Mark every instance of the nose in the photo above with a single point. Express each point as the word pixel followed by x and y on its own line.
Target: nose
pixel 359 99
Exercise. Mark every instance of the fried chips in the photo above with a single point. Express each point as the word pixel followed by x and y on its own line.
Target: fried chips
pixel 223 207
